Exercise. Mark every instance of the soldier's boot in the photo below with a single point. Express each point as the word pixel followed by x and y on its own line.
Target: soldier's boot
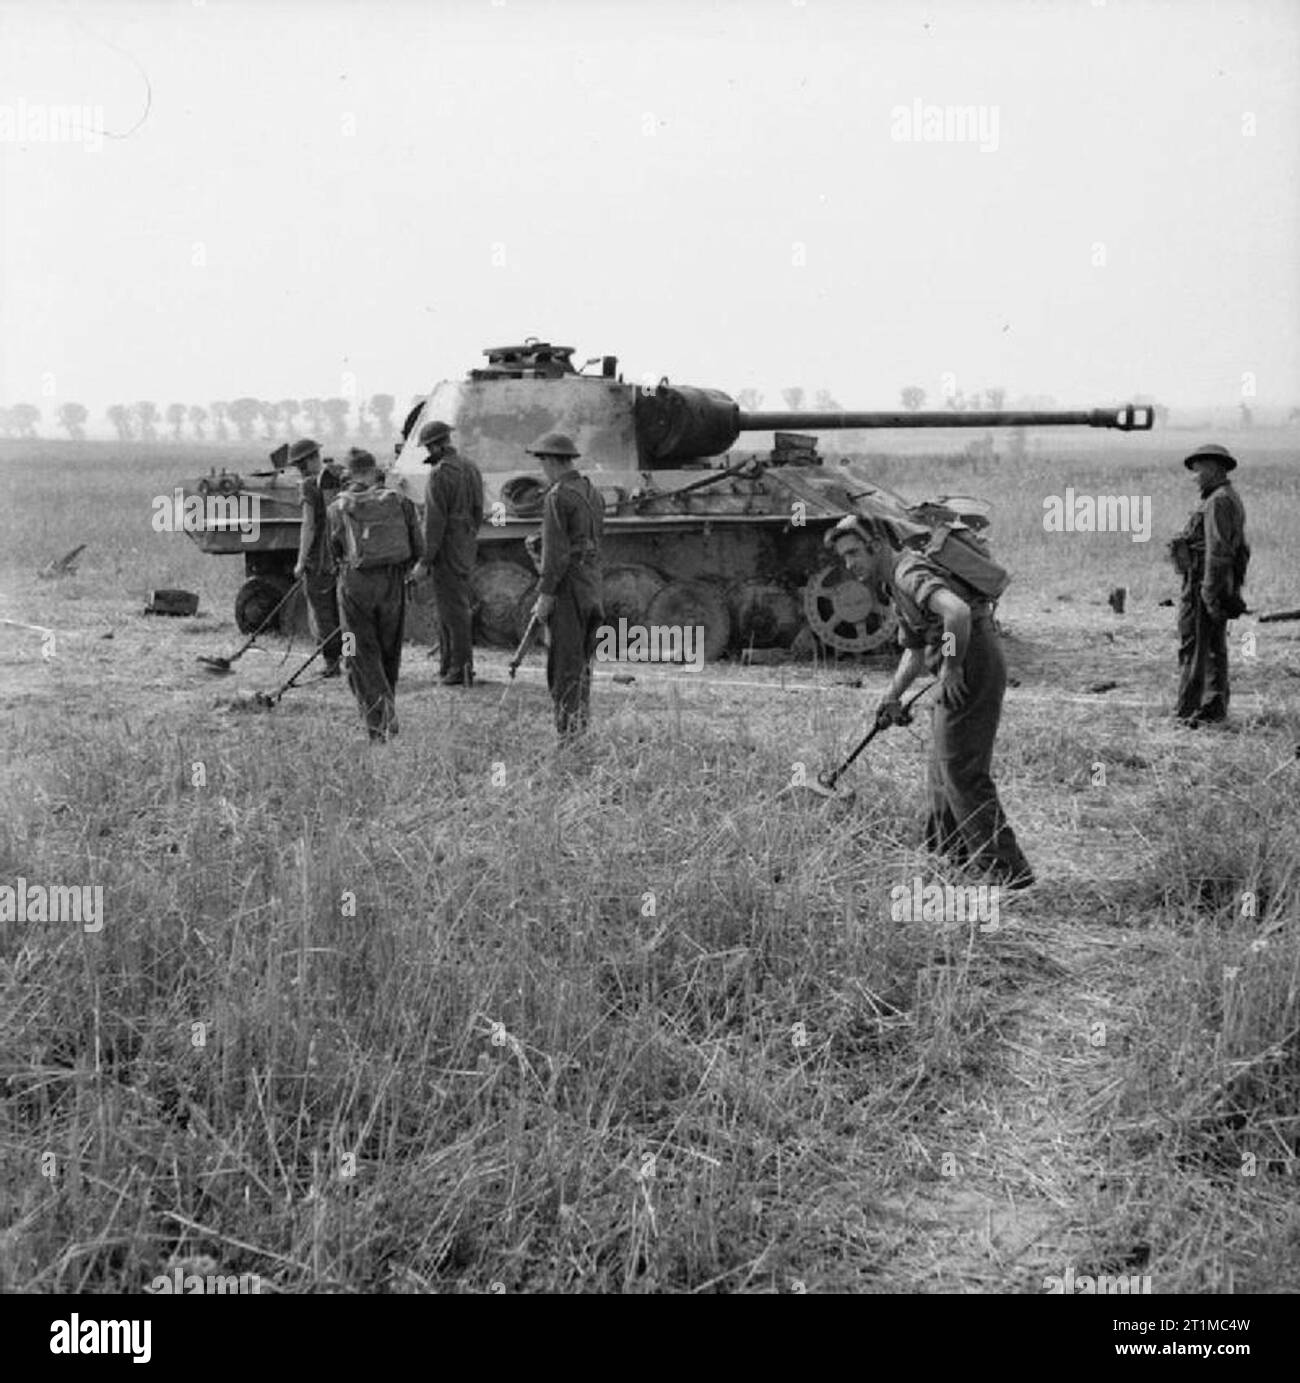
pixel 1214 712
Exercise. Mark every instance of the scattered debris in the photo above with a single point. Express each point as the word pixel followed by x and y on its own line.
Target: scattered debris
pixel 172 602
pixel 622 678
pixel 1102 686
pixel 1117 599
pixel 64 566
pixel 1165 604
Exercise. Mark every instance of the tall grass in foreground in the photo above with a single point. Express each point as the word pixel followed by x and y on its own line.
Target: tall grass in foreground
pixel 644 1026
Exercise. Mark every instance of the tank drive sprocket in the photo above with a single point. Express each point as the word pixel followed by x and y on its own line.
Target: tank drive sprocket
pixel 845 614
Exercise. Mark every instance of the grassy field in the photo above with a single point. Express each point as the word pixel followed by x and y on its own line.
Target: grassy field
pixel 456 1014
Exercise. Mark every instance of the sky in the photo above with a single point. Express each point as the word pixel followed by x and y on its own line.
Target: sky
pixel 289 199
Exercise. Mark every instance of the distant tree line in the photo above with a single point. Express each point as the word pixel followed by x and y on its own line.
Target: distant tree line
pixel 332 418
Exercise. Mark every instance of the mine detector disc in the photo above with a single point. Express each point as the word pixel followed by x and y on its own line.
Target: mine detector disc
pixel 764 615
pixel 629 592
pixel 692 604
pixel 844 613
pixel 501 591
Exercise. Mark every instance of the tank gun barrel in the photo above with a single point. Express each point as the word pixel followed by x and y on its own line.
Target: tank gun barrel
pixel 1128 418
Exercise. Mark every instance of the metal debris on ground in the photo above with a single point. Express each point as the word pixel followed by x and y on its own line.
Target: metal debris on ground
pixel 62 566
pixel 172 602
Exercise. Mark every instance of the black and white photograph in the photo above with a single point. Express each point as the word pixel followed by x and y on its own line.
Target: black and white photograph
pixel 649 648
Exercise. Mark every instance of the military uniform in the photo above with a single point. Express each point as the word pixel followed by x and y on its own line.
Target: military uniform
pixel 453 511
pixel 1211 553
pixel 372 606
pixel 965 819
pixel 317 563
pixel 573 522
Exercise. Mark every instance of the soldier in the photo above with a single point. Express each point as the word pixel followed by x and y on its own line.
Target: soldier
pixel 453 511
pixel 374 536
pixel 945 625
pixel 573 520
pixel 315 566
pixel 1211 554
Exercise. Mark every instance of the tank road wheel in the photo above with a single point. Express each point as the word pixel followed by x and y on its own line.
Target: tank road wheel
pixel 257 597
pixel 628 593
pixel 764 614
pixel 501 601
pixel 688 604
pixel 844 614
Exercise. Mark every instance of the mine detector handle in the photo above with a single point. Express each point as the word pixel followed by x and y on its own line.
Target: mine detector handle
pixel 832 777
pixel 513 665
pixel 1128 417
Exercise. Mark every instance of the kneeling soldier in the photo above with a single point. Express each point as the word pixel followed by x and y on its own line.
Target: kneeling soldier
pixel 573 521
pixel 949 629
pixel 375 537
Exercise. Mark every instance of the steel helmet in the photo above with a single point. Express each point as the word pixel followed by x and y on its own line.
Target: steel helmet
pixel 1212 451
pixel 435 433
pixel 553 444
pixel 302 449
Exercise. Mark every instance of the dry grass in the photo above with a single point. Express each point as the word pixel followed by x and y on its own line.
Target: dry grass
pixel 458 1013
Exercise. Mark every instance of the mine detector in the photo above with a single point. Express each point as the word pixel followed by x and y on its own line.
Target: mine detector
pixel 696 532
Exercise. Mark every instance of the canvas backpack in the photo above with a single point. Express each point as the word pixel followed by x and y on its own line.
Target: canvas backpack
pixel 963 554
pixel 374 526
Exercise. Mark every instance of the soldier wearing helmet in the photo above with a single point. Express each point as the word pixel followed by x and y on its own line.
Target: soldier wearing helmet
pixel 315 565
pixel 570 599
pixel 453 511
pixel 375 536
pixel 1211 555
pixel 947 626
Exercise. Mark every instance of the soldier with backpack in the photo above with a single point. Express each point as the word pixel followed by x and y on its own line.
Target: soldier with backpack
pixel 375 538
pixel 315 566
pixel 943 597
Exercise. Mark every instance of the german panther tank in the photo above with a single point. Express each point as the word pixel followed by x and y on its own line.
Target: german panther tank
pixel 696 533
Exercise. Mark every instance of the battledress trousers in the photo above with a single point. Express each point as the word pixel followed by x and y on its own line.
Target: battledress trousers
pixel 372 606
pixel 965 819
pixel 453 513
pixel 323 606
pixel 1202 656
pixel 574 626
